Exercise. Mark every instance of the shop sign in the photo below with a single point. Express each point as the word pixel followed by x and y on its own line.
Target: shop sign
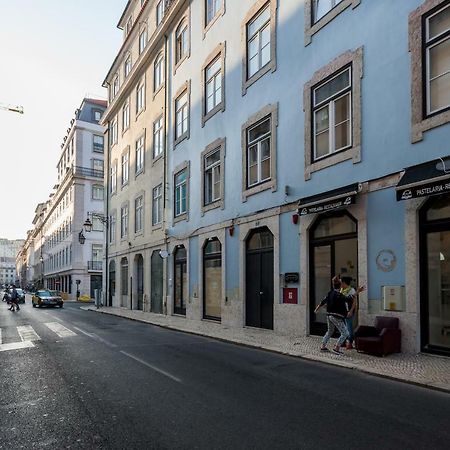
pixel 290 295
pixel 423 190
pixel 325 206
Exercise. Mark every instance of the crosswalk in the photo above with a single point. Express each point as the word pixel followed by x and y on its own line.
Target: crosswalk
pixel 28 335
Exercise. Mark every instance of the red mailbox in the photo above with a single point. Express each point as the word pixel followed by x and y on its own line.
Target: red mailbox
pixel 290 295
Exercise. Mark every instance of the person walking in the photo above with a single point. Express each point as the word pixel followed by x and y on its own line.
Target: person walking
pixel 336 304
pixel 349 291
pixel 14 300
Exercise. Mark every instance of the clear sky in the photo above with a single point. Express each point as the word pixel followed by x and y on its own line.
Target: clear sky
pixel 53 54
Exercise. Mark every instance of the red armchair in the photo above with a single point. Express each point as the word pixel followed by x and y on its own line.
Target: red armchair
pixel 383 338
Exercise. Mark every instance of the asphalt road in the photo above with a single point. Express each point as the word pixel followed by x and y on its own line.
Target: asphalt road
pixel 94 381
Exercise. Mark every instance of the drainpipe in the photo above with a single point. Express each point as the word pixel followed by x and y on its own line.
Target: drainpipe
pixel 108 162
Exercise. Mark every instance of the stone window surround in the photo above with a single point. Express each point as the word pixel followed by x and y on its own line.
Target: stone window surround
pixel 158 225
pixel 126 150
pixel 122 205
pixel 272 111
pixel 114 123
pixel 141 134
pixel 272 65
pixel 185 87
pixel 171 303
pixel 220 13
pixel 125 59
pixel 220 234
pixel 112 213
pixel 419 124
pixel 93 148
pixel 142 81
pixel 114 163
pixel 185 18
pixel 127 101
pixel 218 52
pixel 141 193
pixel 273 224
pixel 159 116
pixel 218 144
pixel 312 28
pixel 162 85
pixel 185 216
pixel 355 58
pixel 92 192
pixel 142 27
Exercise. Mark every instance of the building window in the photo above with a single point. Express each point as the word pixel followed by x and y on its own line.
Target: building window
pixel 112 228
pixel 124 276
pixel 128 26
pixel 332 105
pixel 98 143
pixel 181 280
pixel 181 42
pixel 437 61
pixel 113 131
pixel 212 178
pixel 97 192
pixel 258 42
pixel 258 152
pixel 180 193
pixel 140 97
pixel 97 166
pixel 332 113
pixel 97 252
pixel 322 7
pixel 97 224
pixel 125 168
pixel 212 279
pixel 158 72
pixel 181 116
pixel 124 221
pixel 126 116
pixel 127 66
pixel 157 205
pixel 139 214
pixel 113 178
pixel 115 86
pixel 140 144
pixel 158 137
pixel 213 85
pixel 97 115
pixel 142 40
pixel 159 12
pixel 212 9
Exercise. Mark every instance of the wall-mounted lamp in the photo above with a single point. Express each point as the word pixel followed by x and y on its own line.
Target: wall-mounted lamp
pixel 81 238
pixel 231 230
pixel 295 218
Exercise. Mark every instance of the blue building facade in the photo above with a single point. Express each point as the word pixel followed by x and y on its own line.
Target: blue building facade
pixel 304 140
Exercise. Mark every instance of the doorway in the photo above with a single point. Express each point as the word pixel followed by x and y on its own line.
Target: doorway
pixel 139 261
pixel 181 286
pixel 112 282
pixel 156 275
pixel 435 275
pixel 259 279
pixel 333 251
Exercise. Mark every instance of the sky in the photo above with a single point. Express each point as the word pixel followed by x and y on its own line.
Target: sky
pixel 53 54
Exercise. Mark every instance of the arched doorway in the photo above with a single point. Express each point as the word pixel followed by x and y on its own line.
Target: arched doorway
pixel 139 265
pixel 259 279
pixel 435 274
pixel 181 285
pixel 156 277
pixel 112 282
pixel 333 251
pixel 212 279
pixel 124 282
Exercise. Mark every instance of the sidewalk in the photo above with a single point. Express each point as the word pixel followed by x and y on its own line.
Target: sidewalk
pixel 424 370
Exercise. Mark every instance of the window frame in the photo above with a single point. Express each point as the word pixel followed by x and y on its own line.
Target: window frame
pixel 220 12
pixel 312 27
pixel 140 87
pixel 180 57
pixel 124 230
pixel 271 66
pixel 126 153
pixel 112 227
pixel 271 183
pixel 113 178
pixel 353 152
pixel 185 166
pixel 93 143
pixel 114 131
pixel 128 63
pixel 139 155
pixel 97 186
pixel 142 44
pixel 126 107
pixel 159 62
pixel 160 130
pixel 141 208
pixel 157 205
pixel 220 146
pixel 218 53
pixel 184 89
pixel 421 120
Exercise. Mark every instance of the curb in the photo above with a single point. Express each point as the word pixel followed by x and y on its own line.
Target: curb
pixel 435 386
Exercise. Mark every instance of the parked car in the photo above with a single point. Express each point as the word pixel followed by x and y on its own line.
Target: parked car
pixel 44 297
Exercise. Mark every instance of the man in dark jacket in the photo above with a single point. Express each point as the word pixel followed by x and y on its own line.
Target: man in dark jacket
pixel 337 310
pixel 14 300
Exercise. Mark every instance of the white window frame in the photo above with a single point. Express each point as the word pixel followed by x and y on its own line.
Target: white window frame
pixel 125 164
pixel 215 79
pixel 115 86
pixel 159 12
pixel 212 9
pixel 178 191
pixel 315 4
pixel 113 177
pixel 143 39
pixel 181 42
pixel 139 154
pixel 158 72
pixel 211 168
pixel 257 35
pixel 96 190
pixel 124 221
pixel 158 137
pixel 127 66
pixel 157 205
pixel 139 214
pixel 181 115
pixel 112 228
pixel 113 131
pixel 259 160
pixel 140 97
pixel 126 116
pixel 96 149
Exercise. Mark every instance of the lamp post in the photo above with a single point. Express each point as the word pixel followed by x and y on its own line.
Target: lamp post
pixel 88 228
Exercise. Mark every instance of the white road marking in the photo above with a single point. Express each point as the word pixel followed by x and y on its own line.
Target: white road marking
pixel 162 372
pixel 15 346
pixel 27 333
pixel 96 337
pixel 60 329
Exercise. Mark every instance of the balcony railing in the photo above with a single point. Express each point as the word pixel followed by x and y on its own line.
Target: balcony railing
pixel 95 265
pixel 87 172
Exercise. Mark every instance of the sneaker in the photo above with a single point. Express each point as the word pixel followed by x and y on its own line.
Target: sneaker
pixel 324 349
pixel 336 351
pixel 349 346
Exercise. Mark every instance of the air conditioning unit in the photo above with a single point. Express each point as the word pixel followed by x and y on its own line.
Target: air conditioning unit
pixel 394 298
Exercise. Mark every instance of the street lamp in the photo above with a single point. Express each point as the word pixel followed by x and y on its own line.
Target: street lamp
pixel 88 225
pixel 81 238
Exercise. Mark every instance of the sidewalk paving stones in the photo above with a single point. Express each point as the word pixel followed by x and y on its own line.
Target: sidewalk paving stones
pixel 420 369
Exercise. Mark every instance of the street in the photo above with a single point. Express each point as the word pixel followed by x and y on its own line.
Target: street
pixel 91 381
